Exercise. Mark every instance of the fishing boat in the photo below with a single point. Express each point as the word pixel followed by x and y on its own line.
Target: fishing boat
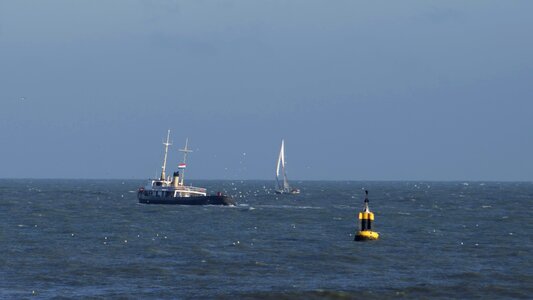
pixel 282 184
pixel 172 190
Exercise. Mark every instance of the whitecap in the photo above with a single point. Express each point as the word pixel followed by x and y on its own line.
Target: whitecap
pixel 290 206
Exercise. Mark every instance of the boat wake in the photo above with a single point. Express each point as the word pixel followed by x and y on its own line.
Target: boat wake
pixel 290 206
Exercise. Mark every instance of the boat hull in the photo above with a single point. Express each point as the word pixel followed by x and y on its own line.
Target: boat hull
pixel 291 192
pixel 197 200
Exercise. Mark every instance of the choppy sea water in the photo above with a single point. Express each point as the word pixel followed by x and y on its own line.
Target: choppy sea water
pixel 90 238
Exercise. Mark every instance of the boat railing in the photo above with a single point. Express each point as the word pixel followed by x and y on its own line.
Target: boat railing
pixel 191 189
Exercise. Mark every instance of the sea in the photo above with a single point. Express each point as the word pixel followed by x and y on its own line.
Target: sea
pixel 66 239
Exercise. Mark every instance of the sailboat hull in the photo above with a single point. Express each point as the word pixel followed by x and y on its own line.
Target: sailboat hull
pixel 291 192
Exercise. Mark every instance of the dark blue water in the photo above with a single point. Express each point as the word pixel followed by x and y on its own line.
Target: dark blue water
pixel 90 238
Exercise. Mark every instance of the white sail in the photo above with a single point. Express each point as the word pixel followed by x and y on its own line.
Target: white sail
pixel 285 181
pixel 280 171
pixel 281 164
pixel 281 161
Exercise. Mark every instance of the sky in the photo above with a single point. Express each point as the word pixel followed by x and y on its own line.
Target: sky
pixel 359 90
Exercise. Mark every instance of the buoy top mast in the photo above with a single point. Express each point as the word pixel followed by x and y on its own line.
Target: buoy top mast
pixel 366 209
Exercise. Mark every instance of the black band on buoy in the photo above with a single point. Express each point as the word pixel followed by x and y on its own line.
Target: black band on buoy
pixel 366 221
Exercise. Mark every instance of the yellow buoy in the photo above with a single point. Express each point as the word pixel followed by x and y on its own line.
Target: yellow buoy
pixel 366 217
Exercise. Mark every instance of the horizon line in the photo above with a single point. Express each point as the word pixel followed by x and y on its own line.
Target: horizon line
pixel 294 180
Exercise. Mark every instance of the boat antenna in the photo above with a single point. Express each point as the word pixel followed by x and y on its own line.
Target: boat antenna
pixel 164 167
pixel 185 152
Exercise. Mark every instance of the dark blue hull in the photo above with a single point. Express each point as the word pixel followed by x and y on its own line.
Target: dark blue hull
pixel 196 200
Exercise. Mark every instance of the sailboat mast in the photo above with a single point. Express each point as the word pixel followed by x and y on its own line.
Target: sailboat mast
pixel 164 167
pixel 185 152
pixel 285 181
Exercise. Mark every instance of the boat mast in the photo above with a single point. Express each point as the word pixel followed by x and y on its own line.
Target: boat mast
pixel 185 152
pixel 282 155
pixel 164 167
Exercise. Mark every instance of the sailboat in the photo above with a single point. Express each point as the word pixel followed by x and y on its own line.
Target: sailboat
pixel 282 185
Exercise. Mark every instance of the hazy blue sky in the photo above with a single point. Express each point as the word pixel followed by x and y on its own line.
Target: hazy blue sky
pixel 362 90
